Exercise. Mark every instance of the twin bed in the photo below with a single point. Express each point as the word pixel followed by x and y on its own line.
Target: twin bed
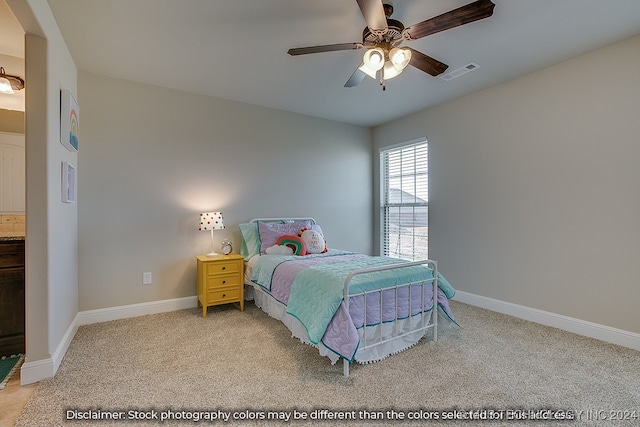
pixel 348 305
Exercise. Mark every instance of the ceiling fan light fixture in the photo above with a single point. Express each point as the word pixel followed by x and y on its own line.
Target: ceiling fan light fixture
pixel 399 58
pixel 374 58
pixel 390 71
pixel 383 34
pixel 368 71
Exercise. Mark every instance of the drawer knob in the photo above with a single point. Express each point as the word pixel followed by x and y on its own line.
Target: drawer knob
pixel 224 268
pixel 224 295
pixel 224 281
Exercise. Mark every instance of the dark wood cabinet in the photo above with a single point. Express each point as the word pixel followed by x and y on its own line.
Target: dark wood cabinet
pixel 12 303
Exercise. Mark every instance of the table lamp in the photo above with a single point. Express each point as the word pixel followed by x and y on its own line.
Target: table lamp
pixel 210 221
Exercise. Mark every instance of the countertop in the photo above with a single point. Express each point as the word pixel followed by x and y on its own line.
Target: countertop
pixel 8 236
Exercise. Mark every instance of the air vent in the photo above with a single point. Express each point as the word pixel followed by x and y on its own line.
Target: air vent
pixel 460 71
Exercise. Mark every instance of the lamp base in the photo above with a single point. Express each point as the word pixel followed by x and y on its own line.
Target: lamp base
pixel 212 254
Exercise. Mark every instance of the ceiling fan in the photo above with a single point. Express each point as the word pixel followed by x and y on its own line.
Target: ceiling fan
pixel 382 37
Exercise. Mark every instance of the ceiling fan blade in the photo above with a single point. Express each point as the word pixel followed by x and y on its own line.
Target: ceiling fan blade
pixel 324 48
pixel 471 12
pixel 373 13
pixel 356 78
pixel 426 63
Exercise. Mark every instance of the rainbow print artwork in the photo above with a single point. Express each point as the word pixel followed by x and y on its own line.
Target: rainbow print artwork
pixel 69 120
pixel 73 126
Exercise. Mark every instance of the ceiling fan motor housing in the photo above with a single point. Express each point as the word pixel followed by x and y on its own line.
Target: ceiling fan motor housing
pixel 394 32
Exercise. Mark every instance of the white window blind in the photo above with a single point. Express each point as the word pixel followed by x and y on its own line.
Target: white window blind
pixel 405 195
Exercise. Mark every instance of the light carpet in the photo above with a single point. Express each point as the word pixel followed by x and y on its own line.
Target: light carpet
pixel 245 364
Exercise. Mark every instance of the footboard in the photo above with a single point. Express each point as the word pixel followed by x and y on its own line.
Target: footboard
pixel 398 326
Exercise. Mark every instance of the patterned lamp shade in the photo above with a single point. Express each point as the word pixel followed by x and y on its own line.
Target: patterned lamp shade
pixel 211 221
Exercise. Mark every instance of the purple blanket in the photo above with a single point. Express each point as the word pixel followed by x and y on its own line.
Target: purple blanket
pixel 341 335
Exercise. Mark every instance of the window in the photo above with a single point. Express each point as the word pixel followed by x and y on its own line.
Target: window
pixel 404 210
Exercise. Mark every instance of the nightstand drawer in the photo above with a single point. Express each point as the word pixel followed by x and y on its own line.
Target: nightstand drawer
pixel 223 281
pixel 222 295
pixel 222 267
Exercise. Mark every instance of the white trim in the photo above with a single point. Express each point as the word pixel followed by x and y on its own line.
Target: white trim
pixel 576 326
pixel 403 144
pixel 135 310
pixel 32 372
pixel 38 370
pixel 64 344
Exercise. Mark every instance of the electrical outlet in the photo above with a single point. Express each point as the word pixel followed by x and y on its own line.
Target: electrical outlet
pixel 146 278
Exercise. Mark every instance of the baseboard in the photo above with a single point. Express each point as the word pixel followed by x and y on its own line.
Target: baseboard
pixel 65 342
pixel 38 370
pixel 32 372
pixel 135 310
pixel 576 326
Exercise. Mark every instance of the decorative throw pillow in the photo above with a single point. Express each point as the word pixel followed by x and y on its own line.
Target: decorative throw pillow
pixel 269 232
pixel 316 227
pixel 296 244
pixel 279 250
pixel 314 240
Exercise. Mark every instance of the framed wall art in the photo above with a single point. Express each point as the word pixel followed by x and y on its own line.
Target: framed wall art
pixel 68 183
pixel 69 120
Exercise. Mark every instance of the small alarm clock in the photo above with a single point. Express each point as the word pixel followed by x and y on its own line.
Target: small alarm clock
pixel 226 247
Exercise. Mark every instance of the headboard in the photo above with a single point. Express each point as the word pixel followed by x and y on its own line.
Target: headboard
pixel 313 221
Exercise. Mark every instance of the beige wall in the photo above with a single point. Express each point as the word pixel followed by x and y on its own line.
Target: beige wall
pixel 52 259
pixel 534 187
pixel 11 121
pixel 152 159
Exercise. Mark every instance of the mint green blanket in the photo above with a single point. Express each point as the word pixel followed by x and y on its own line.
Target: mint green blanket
pixel 318 291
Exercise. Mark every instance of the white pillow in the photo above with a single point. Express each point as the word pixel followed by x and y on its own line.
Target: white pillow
pixel 314 240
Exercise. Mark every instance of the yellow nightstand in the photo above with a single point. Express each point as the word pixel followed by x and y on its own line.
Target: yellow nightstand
pixel 220 280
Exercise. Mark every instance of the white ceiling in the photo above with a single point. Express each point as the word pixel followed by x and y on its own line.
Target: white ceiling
pixel 236 49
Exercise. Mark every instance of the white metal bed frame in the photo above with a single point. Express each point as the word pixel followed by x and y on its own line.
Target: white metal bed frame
pixel 423 325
